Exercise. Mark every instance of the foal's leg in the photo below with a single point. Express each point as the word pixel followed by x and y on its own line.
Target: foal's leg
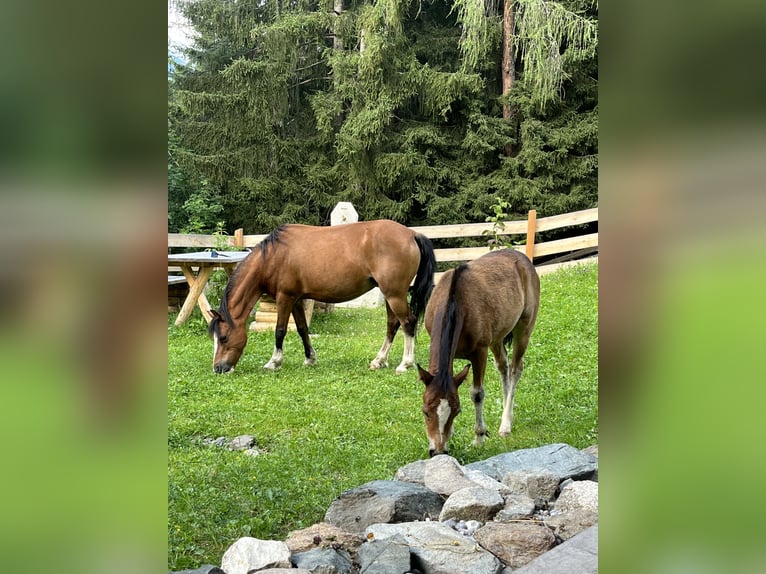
pixel 392 326
pixel 479 364
pixel 299 314
pixel 502 366
pixel 520 341
pixel 284 307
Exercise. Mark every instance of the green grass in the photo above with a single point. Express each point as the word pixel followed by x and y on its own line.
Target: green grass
pixel 337 425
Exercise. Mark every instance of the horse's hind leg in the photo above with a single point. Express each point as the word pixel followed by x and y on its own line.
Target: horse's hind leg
pixel 502 366
pixel 392 326
pixel 401 310
pixel 520 341
pixel 479 364
pixel 299 314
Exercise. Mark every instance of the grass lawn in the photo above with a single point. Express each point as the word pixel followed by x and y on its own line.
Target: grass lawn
pixel 336 425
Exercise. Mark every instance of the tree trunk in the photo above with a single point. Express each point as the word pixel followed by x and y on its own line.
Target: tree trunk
pixel 337 8
pixel 508 68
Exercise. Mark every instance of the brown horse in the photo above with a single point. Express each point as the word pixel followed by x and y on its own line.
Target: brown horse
pixel 330 264
pixel 484 304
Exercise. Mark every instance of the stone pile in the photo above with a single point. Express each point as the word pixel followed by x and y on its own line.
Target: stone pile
pixel 531 511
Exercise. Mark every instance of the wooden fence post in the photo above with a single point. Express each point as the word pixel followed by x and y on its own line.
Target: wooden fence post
pixel 239 238
pixel 531 224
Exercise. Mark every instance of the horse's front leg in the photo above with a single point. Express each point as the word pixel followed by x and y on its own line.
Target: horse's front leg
pixel 299 314
pixel 284 307
pixel 479 364
pixel 502 366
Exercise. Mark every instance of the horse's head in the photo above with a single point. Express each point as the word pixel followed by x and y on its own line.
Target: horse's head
pixel 441 404
pixel 229 341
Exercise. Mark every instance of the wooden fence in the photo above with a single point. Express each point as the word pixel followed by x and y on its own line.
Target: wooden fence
pixel 576 246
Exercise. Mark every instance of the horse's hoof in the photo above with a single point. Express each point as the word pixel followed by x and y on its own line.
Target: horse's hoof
pixel 401 369
pixel 270 366
pixel 478 440
pixel 504 433
pixel 310 362
pixel 375 365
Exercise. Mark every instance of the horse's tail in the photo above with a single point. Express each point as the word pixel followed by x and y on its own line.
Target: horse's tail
pixel 448 342
pixel 424 279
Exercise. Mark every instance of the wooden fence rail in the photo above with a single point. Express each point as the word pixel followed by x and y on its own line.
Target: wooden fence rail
pixel 528 228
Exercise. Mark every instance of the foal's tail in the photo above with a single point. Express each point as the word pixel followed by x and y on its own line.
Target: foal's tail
pixel 424 279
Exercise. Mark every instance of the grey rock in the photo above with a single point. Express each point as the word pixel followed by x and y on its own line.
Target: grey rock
pixel 241 442
pixel 517 507
pixel 481 479
pixel 578 555
pixel 561 459
pixel 444 475
pixel 284 571
pixel 382 501
pixel 581 494
pixel 413 472
pixel 516 543
pixel 252 452
pixel 388 556
pixel 437 549
pixel 536 483
pixel 323 561
pixel 569 524
pixel 206 569
pixel 472 503
pixel 248 554
pixel 220 441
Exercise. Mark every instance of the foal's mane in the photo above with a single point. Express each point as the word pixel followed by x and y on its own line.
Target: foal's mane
pixel 448 341
pixel 269 241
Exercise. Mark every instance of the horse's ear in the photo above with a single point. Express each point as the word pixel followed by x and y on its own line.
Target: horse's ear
pixel 216 314
pixel 424 375
pixel 462 375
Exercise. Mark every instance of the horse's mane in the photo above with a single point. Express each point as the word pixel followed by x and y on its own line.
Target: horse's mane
pixel 449 330
pixel 269 241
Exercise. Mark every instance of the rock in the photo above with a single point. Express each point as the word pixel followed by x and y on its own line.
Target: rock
pixel 384 556
pixel 382 501
pixel 536 483
pixel 563 460
pixel 481 479
pixel 591 450
pixel 324 561
pixel 241 442
pixel 578 555
pixel 517 506
pixel 220 441
pixel 206 569
pixel 284 571
pixel 569 524
pixel 252 452
pixel 581 494
pixel 515 543
pixel 472 503
pixel 323 535
pixel 413 472
pixel 437 549
pixel 444 475
pixel 248 554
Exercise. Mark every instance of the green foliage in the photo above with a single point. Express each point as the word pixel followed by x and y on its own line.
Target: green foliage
pixel 287 109
pixel 337 425
pixel 202 209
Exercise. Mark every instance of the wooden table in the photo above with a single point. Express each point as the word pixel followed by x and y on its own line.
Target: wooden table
pixel 204 262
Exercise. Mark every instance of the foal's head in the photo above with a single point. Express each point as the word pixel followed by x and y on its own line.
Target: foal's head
pixel 441 404
pixel 229 341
